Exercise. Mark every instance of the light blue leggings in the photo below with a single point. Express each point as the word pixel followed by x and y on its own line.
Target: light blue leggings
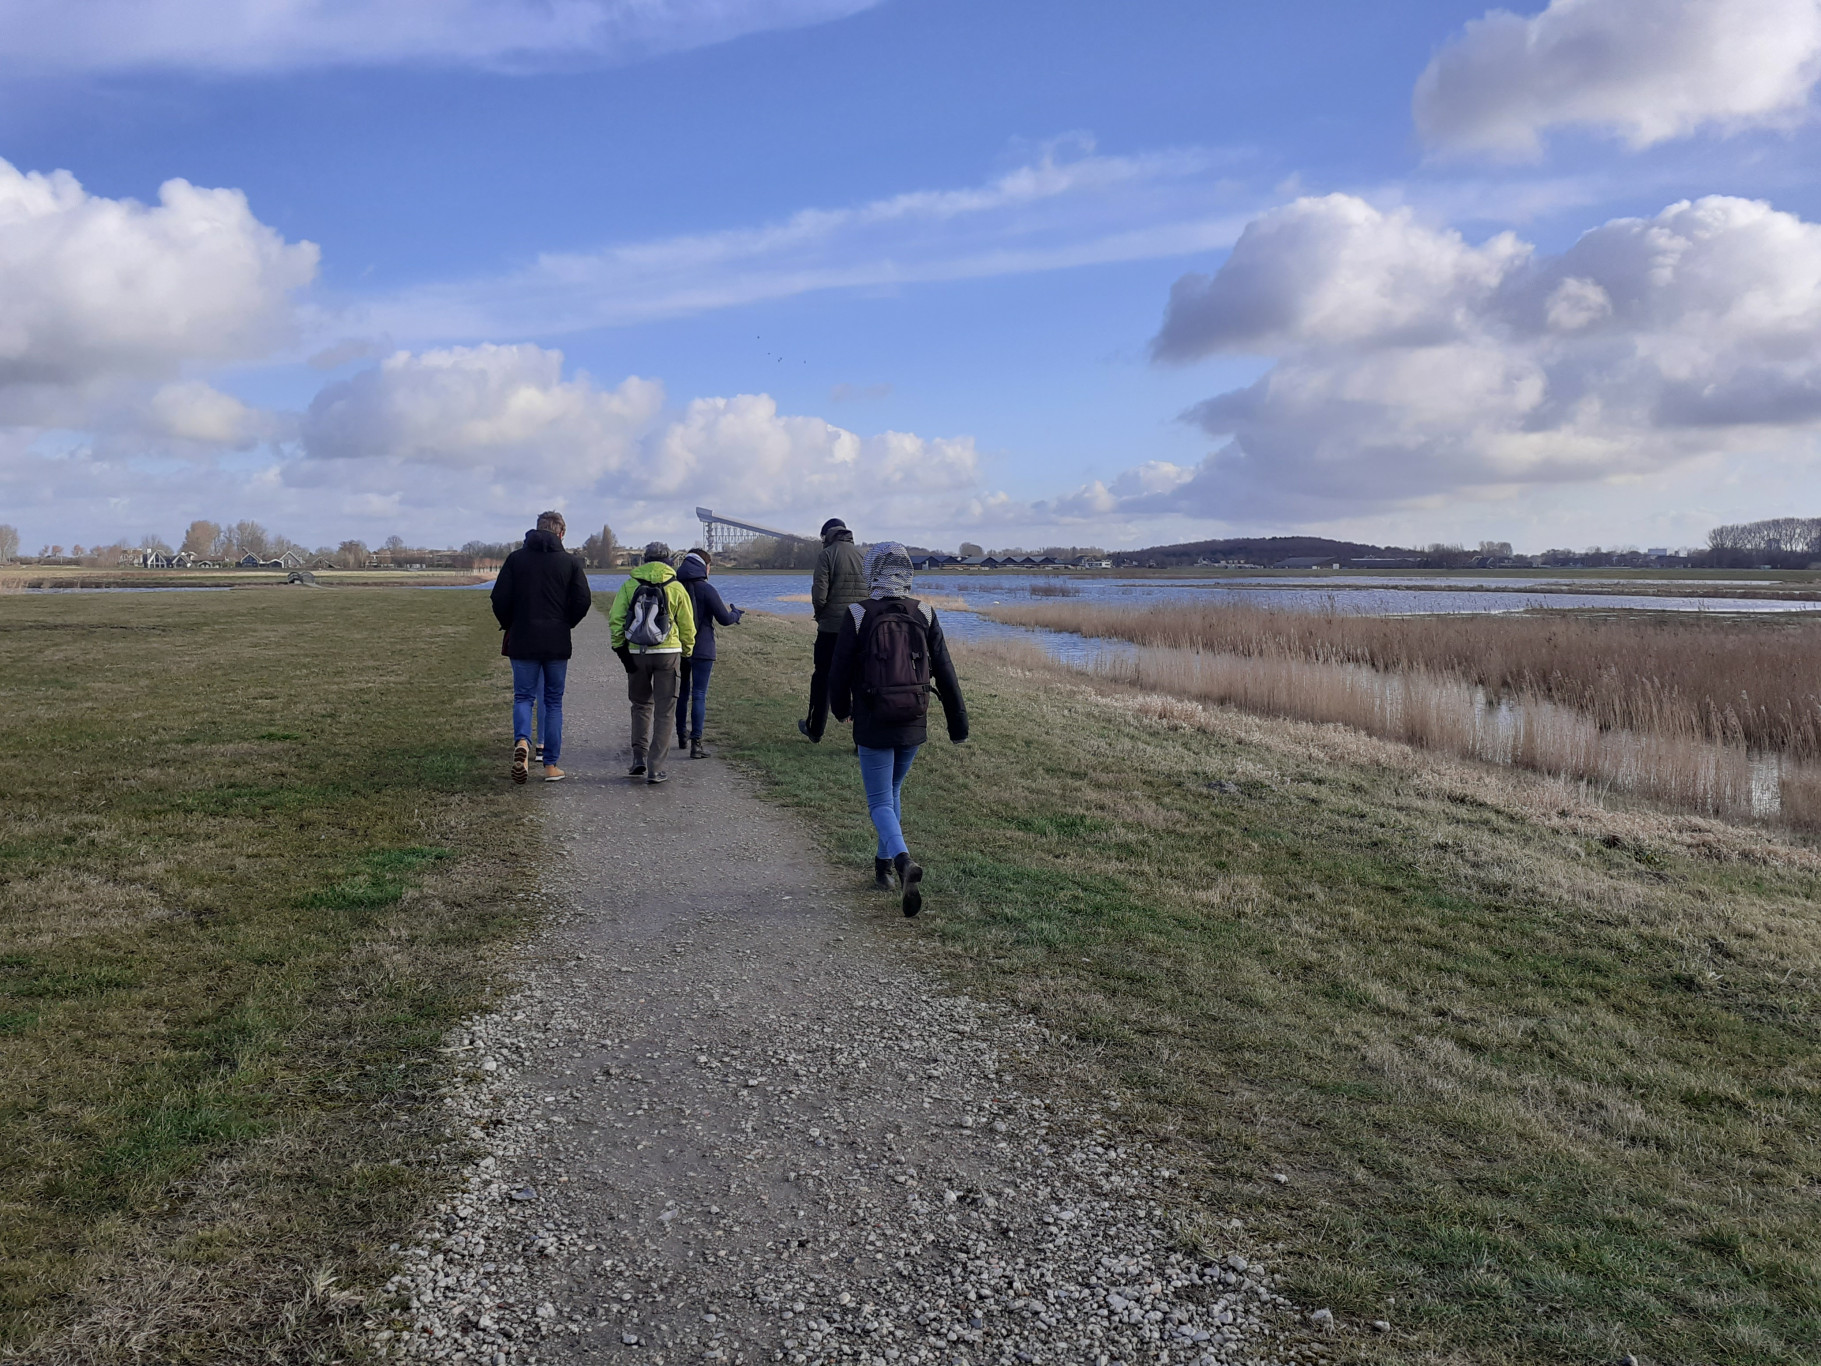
pixel 883 771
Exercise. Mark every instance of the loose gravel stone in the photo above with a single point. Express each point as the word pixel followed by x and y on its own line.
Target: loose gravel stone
pixel 723 1120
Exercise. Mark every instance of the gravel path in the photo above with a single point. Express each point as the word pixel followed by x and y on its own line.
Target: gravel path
pixel 724 1120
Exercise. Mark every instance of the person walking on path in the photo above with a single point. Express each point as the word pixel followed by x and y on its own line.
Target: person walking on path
pixel 652 628
pixel 692 682
pixel 839 582
pixel 888 653
pixel 539 596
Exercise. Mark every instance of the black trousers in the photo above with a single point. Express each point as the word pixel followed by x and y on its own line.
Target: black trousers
pixel 818 682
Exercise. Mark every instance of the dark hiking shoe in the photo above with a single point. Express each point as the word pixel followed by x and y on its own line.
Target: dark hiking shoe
pixel 636 771
pixel 882 875
pixel 696 749
pixel 521 761
pixel 659 777
pixel 803 730
pixel 537 753
pixel 910 874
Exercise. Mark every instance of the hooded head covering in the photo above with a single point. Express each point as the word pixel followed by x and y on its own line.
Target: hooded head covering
pixel 888 570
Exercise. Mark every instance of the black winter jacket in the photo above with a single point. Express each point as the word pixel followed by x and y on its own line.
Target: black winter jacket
pixel 539 596
pixel 847 698
pixel 705 598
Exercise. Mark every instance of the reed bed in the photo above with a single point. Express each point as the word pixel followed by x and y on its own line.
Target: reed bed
pixel 1055 590
pixel 1750 683
pixel 1446 714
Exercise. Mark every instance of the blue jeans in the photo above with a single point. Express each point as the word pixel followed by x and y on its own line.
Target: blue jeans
pixel 884 771
pixel 540 681
pixel 692 688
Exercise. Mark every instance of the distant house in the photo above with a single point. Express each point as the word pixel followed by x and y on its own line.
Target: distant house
pixel 1309 562
pixel 1384 562
pixel 1089 562
pixel 291 559
pixel 247 562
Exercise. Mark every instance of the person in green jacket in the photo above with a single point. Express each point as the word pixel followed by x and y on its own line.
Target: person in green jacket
pixel 652 632
pixel 839 582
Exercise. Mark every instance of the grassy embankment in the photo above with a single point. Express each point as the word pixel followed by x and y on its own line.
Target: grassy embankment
pixel 253 852
pixel 1544 1075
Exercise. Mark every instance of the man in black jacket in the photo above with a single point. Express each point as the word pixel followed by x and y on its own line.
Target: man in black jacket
pixel 540 595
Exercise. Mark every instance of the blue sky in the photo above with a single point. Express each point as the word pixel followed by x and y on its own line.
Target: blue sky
pixel 910 263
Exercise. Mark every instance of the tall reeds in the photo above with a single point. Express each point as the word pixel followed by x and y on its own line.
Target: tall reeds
pixel 1707 716
pixel 1756 683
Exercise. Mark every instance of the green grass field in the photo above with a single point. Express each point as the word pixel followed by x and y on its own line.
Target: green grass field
pixel 1543 1076
pixel 252 856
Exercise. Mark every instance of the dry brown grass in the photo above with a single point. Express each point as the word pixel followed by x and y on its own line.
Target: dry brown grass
pixel 1754 682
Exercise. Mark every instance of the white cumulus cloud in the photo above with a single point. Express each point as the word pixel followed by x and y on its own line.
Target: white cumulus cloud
pixel 1411 364
pixel 474 426
pixel 1643 70
pixel 264 35
pixel 97 291
pixel 506 409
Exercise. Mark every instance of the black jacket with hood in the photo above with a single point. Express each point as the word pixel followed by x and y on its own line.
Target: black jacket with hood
pixel 705 598
pixel 539 596
pixel 846 696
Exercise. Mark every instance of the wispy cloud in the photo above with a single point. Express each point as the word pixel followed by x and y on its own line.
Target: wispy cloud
pixel 244 36
pixel 1071 207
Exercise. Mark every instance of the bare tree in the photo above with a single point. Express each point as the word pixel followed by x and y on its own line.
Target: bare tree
pixel 395 544
pixel 599 550
pixel 1796 535
pixel 351 554
pixel 970 551
pixel 250 538
pixel 9 543
pixel 200 539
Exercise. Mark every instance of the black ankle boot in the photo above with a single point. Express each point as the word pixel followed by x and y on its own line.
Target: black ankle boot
pixel 910 873
pixel 882 874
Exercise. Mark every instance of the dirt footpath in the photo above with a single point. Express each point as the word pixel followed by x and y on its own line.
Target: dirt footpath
pixel 724 1120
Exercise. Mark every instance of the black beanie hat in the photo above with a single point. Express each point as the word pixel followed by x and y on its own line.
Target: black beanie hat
pixel 833 524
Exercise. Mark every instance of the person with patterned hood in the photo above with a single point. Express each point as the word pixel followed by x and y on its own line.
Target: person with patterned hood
pixel 889 654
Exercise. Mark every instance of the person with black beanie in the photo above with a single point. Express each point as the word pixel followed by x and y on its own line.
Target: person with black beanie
pixel 839 582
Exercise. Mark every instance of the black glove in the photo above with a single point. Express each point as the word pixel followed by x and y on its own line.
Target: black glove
pixel 625 657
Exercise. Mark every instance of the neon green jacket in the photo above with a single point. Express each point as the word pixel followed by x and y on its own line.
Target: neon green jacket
pixel 682 637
